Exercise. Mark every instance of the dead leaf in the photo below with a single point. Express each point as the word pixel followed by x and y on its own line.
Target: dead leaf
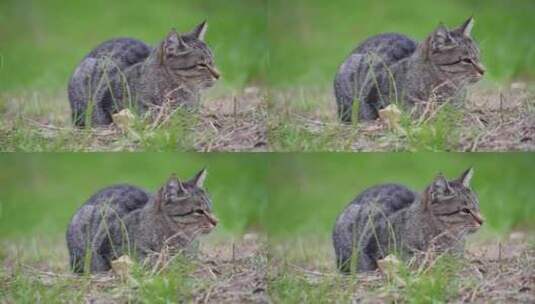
pixel 122 266
pixel 123 119
pixel 390 266
pixel 391 115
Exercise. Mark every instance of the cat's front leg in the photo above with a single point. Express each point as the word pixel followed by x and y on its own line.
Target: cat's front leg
pixel 378 93
pixel 366 263
pixel 370 106
pixel 99 263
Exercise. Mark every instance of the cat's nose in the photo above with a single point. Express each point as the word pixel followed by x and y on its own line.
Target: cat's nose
pixel 212 219
pixel 480 68
pixel 478 218
pixel 214 72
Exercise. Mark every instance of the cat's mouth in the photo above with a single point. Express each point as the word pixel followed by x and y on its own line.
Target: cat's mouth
pixel 207 82
pixel 476 223
pixel 210 224
pixel 213 71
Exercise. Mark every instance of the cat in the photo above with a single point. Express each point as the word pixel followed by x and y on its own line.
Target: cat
pixel 392 219
pixel 390 68
pixel 125 219
pixel 126 72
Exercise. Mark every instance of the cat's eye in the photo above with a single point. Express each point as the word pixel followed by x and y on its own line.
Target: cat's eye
pixel 466 60
pixel 199 212
pixel 465 210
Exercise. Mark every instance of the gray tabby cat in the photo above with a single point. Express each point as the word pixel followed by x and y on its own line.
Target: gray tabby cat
pixel 124 219
pixel 391 218
pixel 125 72
pixel 392 68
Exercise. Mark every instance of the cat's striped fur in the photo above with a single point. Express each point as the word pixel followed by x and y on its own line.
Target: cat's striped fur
pixel 391 218
pixel 392 68
pixel 126 72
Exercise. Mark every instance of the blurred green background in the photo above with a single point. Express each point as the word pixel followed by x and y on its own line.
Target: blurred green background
pixel 39 193
pixel 310 38
pixel 309 190
pixel 41 42
pixel 283 194
pixel 288 43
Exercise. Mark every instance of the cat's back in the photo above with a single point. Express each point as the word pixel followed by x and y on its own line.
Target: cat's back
pixel 123 198
pixel 123 51
pixel 390 47
pixel 118 200
pixel 385 198
pixel 110 202
pixel 391 197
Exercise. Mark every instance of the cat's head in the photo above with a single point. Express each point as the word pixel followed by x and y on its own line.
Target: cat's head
pixel 454 204
pixel 187 204
pixel 187 56
pixel 454 53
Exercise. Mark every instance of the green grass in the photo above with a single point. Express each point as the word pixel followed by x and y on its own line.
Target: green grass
pixel 438 133
pixel 441 133
pixel 25 132
pixel 174 283
pixel 302 270
pixel 288 288
pixel 433 286
pixel 36 122
pixel 290 135
pixel 27 282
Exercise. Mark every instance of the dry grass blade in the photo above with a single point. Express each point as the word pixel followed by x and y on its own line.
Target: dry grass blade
pixel 233 124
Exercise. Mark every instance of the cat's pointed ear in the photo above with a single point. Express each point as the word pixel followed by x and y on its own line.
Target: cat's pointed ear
pixel 466 177
pixel 200 31
pixel 170 190
pixel 174 44
pixel 439 187
pixel 440 38
pixel 199 178
pixel 466 27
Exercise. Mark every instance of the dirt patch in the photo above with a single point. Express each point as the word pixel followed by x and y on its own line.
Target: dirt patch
pixel 492 120
pixel 499 121
pixel 235 122
pixel 236 273
pixel 491 272
pixel 230 272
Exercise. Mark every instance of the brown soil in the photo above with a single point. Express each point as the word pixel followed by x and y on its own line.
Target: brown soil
pixel 492 120
pixel 234 122
pixel 224 272
pixel 491 272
